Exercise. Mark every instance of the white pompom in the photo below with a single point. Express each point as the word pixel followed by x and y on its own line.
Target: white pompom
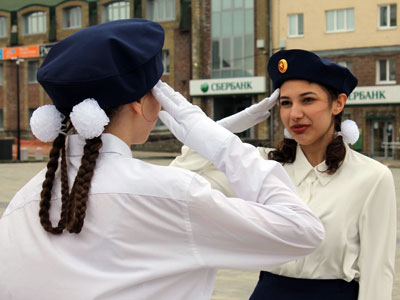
pixel 287 134
pixel 89 119
pixel 350 132
pixel 46 122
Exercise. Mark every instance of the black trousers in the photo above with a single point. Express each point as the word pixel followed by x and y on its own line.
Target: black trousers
pixel 276 287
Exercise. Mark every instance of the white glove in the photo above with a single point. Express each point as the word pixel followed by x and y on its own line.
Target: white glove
pixel 188 122
pixel 250 116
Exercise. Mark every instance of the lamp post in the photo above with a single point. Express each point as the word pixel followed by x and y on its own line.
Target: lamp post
pixel 17 63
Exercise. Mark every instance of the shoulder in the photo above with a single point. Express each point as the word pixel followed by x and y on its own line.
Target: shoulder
pixel 133 176
pixel 265 151
pixel 365 167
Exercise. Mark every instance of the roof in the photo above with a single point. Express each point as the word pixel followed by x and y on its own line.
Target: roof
pixel 14 5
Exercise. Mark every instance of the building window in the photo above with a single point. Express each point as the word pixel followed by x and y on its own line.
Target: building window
pixel 3 26
pixel 33 67
pixel 1 119
pixel 33 23
pixel 386 71
pixel 340 20
pixel 296 25
pixel 232 32
pixel 116 11
pixel 1 74
pixel 165 59
pixel 161 10
pixel 388 16
pixel 72 17
pixel 346 64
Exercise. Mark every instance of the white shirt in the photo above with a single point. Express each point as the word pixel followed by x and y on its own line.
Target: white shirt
pixel 357 206
pixel 152 232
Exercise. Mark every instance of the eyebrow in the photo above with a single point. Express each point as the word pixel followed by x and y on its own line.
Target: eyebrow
pixel 302 95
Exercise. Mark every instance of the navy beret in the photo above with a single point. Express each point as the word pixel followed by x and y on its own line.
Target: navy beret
pixel 305 65
pixel 115 63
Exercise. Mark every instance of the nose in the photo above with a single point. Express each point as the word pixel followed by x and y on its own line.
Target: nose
pixel 296 112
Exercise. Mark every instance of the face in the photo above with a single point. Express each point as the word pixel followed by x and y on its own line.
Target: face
pixel 307 112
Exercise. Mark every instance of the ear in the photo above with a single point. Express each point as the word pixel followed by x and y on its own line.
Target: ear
pixel 339 104
pixel 137 107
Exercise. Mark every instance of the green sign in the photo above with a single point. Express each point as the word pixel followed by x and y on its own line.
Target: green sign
pixel 368 95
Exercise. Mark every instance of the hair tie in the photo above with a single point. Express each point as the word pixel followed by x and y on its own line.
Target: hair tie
pixel 89 119
pixel 287 134
pixel 46 123
pixel 349 131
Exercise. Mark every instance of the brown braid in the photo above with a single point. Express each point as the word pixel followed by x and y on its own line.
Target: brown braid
pixel 81 186
pixel 47 186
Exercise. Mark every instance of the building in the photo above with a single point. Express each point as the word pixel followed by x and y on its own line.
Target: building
pixel 365 37
pixel 216 54
pixel 28 29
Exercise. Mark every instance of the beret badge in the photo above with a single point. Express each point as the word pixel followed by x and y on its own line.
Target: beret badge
pixel 282 65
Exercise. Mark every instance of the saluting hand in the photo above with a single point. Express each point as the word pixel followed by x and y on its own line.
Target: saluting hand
pixel 250 116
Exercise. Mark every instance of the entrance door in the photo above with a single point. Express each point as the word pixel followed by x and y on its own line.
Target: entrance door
pixel 381 132
pixel 227 106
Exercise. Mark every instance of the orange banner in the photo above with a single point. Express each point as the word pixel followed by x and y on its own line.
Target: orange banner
pixel 21 52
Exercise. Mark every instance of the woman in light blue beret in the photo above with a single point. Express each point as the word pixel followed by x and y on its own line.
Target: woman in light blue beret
pixel 352 194
pixel 98 223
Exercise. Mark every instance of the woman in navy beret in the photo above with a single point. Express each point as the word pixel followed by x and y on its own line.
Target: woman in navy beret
pixel 352 194
pixel 99 224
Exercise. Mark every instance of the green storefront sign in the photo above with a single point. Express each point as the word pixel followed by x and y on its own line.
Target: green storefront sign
pixel 368 95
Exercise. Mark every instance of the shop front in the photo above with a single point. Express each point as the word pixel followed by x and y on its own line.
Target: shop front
pixel 376 109
pixel 229 95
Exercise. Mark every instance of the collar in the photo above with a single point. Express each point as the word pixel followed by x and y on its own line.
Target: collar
pixel 111 144
pixel 302 168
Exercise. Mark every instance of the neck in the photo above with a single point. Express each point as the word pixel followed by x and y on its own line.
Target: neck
pixel 316 152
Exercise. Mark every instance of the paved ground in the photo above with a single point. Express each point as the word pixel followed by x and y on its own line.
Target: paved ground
pixel 230 284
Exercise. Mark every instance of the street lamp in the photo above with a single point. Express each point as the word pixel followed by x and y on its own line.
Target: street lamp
pixel 18 61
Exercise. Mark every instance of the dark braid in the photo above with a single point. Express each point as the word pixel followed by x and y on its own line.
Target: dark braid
pixel 335 151
pixel 47 186
pixel 80 189
pixel 73 206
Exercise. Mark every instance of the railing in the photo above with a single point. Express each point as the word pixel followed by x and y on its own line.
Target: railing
pixel 390 145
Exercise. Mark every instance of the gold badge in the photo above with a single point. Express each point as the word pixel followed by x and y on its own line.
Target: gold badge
pixel 282 65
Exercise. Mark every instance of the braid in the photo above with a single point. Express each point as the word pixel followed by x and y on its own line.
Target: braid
pixel 47 186
pixel 81 186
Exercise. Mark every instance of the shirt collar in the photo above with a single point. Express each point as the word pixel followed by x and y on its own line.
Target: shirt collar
pixel 111 144
pixel 302 169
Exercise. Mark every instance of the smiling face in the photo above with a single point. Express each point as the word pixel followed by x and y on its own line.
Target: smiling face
pixel 308 112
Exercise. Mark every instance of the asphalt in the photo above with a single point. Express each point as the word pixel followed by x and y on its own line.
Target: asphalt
pixel 230 284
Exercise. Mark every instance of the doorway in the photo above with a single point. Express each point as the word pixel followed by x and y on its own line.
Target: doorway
pixel 381 133
pixel 232 104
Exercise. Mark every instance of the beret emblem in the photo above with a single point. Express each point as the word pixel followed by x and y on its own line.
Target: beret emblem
pixel 282 65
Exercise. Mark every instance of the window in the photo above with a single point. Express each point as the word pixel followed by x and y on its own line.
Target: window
pixel 386 71
pixel 340 20
pixel 346 64
pixel 388 16
pixel 72 17
pixel 33 67
pixel 33 23
pixel 116 11
pixel 296 25
pixel 1 119
pixel 232 33
pixel 161 10
pixel 3 26
pixel 1 74
pixel 165 59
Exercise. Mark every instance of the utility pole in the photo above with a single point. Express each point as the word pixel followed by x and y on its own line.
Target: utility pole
pixel 17 63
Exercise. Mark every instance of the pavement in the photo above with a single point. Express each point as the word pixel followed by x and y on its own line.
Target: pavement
pixel 230 284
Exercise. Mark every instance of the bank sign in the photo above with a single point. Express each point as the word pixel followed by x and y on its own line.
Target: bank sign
pixel 227 86
pixel 365 95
